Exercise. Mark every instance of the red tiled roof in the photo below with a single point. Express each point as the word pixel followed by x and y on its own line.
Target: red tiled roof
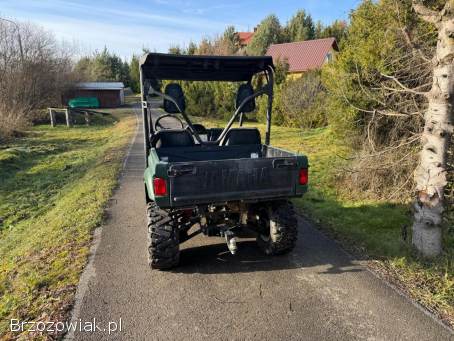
pixel 304 55
pixel 245 37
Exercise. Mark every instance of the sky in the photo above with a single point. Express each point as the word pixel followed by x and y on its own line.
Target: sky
pixel 125 27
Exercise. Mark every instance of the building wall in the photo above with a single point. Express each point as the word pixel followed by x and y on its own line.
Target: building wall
pixel 107 98
pixel 294 75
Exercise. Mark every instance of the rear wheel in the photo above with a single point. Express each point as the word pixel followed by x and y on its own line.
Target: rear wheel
pixel 163 238
pixel 278 232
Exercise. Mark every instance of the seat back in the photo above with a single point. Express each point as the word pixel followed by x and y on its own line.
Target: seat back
pixel 244 91
pixel 172 138
pixel 242 136
pixel 175 91
pixel 199 128
pixel 214 133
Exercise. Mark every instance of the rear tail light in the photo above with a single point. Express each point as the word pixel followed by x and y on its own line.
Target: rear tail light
pixel 159 186
pixel 303 176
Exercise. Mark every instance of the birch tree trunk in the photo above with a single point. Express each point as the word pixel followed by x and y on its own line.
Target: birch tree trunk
pixel 431 173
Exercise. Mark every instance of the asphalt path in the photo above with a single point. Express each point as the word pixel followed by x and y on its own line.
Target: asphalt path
pixel 318 292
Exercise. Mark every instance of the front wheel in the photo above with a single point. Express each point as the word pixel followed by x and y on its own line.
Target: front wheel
pixel 278 232
pixel 163 238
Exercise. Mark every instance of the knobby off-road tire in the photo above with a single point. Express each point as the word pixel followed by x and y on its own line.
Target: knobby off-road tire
pixel 282 224
pixel 163 238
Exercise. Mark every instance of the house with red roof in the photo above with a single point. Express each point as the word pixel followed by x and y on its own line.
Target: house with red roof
pixel 305 55
pixel 245 38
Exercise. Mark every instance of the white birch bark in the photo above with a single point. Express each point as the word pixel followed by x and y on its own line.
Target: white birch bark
pixel 431 173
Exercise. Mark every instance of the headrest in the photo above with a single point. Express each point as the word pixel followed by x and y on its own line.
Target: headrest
pixel 199 128
pixel 175 91
pixel 241 136
pixel 244 91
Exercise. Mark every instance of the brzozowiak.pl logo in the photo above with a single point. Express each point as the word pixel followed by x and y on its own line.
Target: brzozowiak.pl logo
pixel 50 327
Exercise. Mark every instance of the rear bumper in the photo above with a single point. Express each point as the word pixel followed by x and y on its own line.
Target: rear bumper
pixel 262 195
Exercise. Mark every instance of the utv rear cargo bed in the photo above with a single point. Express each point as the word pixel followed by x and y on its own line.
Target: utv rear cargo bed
pixel 248 177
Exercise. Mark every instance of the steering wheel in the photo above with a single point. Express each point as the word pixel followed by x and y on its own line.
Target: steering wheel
pixel 157 125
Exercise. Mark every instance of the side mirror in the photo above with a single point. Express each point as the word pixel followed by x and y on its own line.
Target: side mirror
pixel 175 91
pixel 244 91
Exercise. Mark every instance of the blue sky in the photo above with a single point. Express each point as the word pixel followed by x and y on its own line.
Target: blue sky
pixel 127 26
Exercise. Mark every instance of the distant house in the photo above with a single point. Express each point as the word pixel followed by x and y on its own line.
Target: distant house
pixel 109 94
pixel 245 38
pixel 305 55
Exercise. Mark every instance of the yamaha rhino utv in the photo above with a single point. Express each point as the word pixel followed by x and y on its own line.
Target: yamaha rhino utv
pixel 215 181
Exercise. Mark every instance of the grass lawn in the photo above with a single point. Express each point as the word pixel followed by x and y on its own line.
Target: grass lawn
pixel 55 183
pixel 369 228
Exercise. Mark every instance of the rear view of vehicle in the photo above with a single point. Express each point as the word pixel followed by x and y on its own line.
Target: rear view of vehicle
pixel 215 181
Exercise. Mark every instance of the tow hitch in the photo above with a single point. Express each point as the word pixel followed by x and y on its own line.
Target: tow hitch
pixel 230 239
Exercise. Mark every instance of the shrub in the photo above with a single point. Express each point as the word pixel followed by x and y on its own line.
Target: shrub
pixel 32 81
pixel 297 103
pixel 210 99
pixel 302 102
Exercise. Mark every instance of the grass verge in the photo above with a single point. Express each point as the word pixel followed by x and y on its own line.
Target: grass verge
pixel 55 185
pixel 371 229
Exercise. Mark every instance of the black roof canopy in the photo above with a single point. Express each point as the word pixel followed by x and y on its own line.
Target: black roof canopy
pixel 202 68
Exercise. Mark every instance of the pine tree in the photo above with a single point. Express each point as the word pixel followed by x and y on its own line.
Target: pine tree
pixel 300 27
pixel 268 32
pixel 134 73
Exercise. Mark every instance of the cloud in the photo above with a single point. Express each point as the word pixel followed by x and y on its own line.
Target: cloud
pixel 117 13
pixel 178 21
pixel 200 8
pixel 124 31
pixel 124 40
pixel 208 9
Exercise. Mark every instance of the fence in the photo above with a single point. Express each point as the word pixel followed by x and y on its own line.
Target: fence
pixel 68 116
pixel 53 120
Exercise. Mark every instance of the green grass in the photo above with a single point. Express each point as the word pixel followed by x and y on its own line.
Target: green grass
pixel 369 228
pixel 55 183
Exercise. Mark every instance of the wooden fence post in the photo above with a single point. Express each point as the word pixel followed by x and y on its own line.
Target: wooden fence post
pixel 52 117
pixel 68 117
pixel 87 118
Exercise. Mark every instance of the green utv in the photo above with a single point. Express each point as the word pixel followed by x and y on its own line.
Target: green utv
pixel 214 181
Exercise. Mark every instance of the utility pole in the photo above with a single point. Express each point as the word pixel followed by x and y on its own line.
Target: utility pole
pixel 19 38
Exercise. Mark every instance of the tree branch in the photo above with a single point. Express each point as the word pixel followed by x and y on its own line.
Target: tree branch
pixel 393 113
pixel 404 88
pixel 354 106
pixel 425 13
pixel 367 93
pixel 412 46
pixel 392 148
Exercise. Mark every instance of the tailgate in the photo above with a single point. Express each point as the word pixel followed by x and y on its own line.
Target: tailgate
pixel 204 182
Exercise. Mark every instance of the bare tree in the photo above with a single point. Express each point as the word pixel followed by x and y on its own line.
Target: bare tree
pixel 34 71
pixel 431 173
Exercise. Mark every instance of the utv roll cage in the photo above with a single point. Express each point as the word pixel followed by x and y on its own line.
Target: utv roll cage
pixel 155 67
